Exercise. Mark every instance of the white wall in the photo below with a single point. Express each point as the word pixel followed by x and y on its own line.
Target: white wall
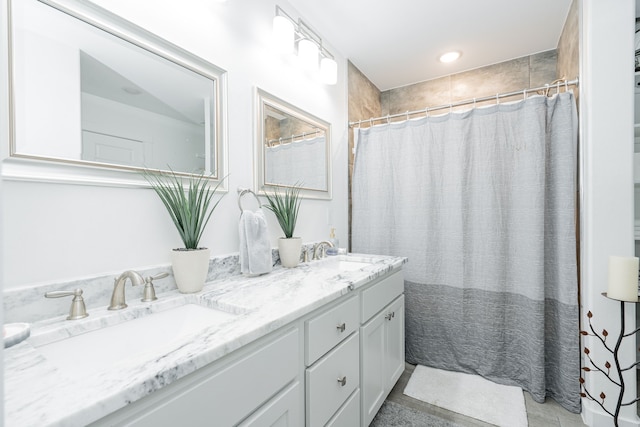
pixel 61 231
pixel 606 108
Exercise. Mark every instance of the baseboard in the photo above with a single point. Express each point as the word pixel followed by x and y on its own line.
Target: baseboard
pixel 594 416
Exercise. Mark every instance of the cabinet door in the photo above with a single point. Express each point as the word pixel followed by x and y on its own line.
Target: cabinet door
pixel 222 398
pixel 284 410
pixel 372 367
pixel 394 343
pixel 349 414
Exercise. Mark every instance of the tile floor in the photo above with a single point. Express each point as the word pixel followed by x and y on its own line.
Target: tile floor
pixel 548 414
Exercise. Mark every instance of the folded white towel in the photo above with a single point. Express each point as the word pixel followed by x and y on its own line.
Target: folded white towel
pixel 255 249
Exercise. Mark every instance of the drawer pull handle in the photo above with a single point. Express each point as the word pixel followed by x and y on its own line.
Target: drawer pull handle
pixel 341 327
pixel 343 381
pixel 388 317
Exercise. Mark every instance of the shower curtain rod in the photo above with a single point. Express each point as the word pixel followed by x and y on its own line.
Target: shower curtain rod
pixel 281 141
pixel 554 85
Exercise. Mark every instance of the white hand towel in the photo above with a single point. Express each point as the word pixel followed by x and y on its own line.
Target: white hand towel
pixel 255 249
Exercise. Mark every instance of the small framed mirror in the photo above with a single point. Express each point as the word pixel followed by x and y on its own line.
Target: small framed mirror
pixel 292 148
pixel 89 88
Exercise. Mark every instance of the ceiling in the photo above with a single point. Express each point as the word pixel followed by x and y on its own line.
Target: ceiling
pixel 398 42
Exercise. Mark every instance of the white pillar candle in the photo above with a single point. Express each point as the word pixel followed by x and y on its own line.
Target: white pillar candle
pixel 623 278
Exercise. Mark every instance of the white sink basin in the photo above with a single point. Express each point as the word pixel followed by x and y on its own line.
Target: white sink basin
pixel 344 265
pixel 138 339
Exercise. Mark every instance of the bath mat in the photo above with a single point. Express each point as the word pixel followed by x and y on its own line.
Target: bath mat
pixel 394 415
pixel 469 395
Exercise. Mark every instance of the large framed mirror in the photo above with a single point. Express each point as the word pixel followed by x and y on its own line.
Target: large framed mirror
pixel 89 88
pixel 292 148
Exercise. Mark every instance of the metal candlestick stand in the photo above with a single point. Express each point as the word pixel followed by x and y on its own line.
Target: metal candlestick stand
pixel 620 383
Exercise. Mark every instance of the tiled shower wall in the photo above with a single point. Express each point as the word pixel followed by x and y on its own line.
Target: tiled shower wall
pixel 514 75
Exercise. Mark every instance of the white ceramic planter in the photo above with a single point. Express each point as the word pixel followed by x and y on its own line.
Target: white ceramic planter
pixel 289 251
pixel 190 269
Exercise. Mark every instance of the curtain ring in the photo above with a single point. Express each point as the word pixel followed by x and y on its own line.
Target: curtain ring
pixel 388 118
pixel 497 99
pixel 558 88
pixel 407 114
pixel 359 123
pixel 524 94
pixel 371 122
pixel 566 85
pixel 426 112
pixel 474 103
pixel 450 108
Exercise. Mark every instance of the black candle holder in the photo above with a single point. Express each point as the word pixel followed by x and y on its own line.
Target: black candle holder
pixel 620 383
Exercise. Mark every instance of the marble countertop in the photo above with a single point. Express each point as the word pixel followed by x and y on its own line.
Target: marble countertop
pixel 38 393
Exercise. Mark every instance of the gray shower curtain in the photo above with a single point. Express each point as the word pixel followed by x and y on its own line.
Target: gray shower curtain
pixel 483 204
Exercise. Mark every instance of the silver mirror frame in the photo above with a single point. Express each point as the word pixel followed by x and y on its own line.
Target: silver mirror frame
pixel 45 169
pixel 264 99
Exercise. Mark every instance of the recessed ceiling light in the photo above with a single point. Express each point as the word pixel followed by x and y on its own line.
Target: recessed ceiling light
pixel 450 56
pixel 132 90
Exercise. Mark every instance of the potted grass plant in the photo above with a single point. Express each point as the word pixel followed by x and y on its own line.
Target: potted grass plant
pixel 190 204
pixel 285 206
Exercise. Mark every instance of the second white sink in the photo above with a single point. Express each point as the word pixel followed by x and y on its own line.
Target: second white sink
pixel 141 338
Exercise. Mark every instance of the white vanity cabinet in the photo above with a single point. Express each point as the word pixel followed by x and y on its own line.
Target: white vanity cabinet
pixel 332 367
pixel 382 342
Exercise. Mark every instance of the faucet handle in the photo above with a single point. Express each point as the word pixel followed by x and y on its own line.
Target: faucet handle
pixel 78 309
pixel 149 293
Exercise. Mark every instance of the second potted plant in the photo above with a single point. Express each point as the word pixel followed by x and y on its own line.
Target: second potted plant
pixel 189 202
pixel 285 207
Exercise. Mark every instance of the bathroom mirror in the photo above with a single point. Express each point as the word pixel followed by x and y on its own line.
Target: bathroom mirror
pixel 90 88
pixel 292 148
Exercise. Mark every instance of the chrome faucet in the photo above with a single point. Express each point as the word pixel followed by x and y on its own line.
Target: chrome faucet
pixel 320 245
pixel 117 298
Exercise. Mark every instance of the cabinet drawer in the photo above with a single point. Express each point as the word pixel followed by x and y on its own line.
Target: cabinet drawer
pixel 325 331
pixel 382 293
pixel 349 414
pixel 325 392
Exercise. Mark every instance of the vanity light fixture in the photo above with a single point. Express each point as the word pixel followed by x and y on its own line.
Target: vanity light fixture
pixel 329 71
pixel 290 36
pixel 283 34
pixel 308 54
pixel 450 56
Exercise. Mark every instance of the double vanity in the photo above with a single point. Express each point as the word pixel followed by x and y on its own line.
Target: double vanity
pixel 320 344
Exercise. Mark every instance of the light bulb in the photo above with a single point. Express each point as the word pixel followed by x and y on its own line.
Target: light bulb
pixel 329 71
pixel 450 56
pixel 308 54
pixel 283 34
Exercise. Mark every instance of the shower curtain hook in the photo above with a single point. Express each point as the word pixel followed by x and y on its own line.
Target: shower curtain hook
pixel 524 94
pixel 497 98
pixel 450 108
pixel 407 114
pixel 388 118
pixel 426 112
pixel 558 87
pixel 474 102
pixel 359 123
pixel 371 122
pixel 566 85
